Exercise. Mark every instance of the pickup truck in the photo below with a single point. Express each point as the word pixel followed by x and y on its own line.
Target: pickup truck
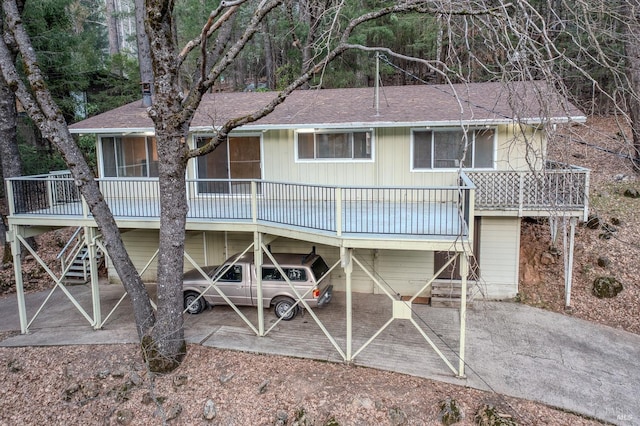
pixel 237 279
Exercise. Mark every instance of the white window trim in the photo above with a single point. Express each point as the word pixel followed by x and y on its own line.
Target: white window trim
pixel 100 155
pixel 450 169
pixel 334 160
pixel 194 164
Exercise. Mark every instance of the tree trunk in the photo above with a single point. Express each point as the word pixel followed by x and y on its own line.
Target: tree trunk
pixel 112 26
pixel 166 345
pixel 43 110
pixel 268 57
pixel 144 54
pixel 11 165
pixel 632 50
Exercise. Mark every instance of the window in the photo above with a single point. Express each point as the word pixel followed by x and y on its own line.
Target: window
pixel 334 145
pixel 294 274
pixel 444 149
pixel 129 156
pixel 236 158
pixel 233 274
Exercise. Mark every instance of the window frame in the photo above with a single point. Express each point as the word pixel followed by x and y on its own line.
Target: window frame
pixel 149 143
pixel 470 131
pixel 349 132
pixel 195 172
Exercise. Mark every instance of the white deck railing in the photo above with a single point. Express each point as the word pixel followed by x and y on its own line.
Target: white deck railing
pixel 438 211
pixel 560 187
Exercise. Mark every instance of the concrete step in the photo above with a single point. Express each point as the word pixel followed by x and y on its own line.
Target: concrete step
pixel 448 294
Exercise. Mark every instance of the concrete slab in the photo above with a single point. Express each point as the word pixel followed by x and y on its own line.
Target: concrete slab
pixel 512 349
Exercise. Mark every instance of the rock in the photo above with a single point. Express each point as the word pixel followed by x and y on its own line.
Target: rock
pixel 603 262
pixel 135 379
pixel 301 418
pixel 593 222
pixel 578 155
pixel 616 222
pixel 263 387
pixel 450 412
pixel 147 398
pixel 209 411
pixel 103 374
pixel 281 418
pixel 15 366
pixel 606 287
pixel 226 377
pixel 397 417
pixel 488 415
pixel 124 417
pixel 180 380
pixel 631 193
pixel 70 391
pixel 621 178
pixel 118 374
pixel 547 258
pixel 90 390
pixel 174 411
pixel 363 402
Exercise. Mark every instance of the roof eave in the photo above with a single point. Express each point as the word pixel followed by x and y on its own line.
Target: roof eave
pixel 353 125
pixel 114 130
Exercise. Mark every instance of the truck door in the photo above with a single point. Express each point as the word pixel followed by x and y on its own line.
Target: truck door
pixel 234 284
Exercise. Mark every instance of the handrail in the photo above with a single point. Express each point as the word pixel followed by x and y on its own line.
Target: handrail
pixel 66 246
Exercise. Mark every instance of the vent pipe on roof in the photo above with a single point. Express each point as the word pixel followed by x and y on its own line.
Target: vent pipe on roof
pixel 377 85
pixel 146 94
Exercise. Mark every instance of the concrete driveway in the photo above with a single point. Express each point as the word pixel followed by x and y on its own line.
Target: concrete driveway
pixel 512 349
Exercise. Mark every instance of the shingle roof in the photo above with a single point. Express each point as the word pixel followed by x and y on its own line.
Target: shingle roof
pixel 428 105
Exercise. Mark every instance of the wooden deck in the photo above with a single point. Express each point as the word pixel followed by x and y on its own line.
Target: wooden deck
pixel 400 347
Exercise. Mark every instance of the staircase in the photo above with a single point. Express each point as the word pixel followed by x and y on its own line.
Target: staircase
pixel 447 294
pixel 75 255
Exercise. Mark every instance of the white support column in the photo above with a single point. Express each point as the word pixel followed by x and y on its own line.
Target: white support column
pixel 347 265
pixel 553 227
pixel 464 272
pixel 17 269
pixel 90 241
pixel 568 264
pixel 257 259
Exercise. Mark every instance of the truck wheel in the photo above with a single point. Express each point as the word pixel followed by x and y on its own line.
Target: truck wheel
pixel 281 305
pixel 190 306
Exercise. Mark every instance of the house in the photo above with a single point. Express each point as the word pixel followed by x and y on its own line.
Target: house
pixel 419 184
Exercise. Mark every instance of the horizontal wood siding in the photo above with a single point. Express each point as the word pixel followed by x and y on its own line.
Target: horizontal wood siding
pixel 141 244
pixel 499 254
pixel 280 165
pixel 520 148
pixel 361 283
pixel 402 272
pixel 405 272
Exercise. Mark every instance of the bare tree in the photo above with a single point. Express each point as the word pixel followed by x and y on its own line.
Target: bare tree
pixel 491 40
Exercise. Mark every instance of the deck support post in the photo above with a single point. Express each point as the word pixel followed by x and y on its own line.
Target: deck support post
pixel 347 265
pixel 553 227
pixel 90 241
pixel 568 259
pixel 257 259
pixel 17 269
pixel 464 272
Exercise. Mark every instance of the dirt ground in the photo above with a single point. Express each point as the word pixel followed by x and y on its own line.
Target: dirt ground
pixel 110 384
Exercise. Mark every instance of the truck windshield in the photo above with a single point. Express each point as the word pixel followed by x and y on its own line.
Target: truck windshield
pixel 319 268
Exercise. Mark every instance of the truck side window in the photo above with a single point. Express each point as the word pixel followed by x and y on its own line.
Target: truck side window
pixel 271 274
pixel 296 274
pixel 233 274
